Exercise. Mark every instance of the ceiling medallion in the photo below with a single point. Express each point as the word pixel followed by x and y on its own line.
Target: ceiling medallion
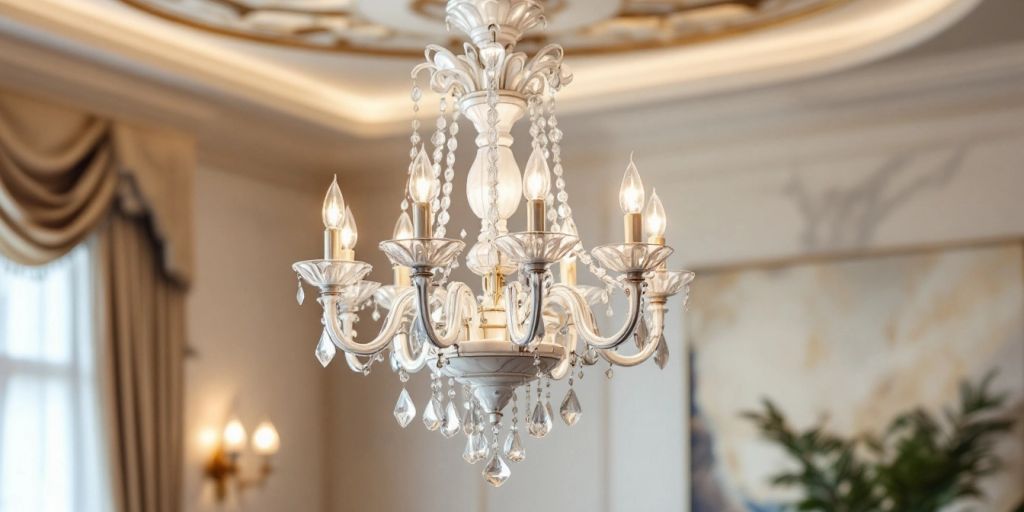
pixel 403 27
pixel 503 347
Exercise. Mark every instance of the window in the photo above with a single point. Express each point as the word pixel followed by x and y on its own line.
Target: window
pixel 51 450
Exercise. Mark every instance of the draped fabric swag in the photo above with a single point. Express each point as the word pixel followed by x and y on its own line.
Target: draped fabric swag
pixel 66 175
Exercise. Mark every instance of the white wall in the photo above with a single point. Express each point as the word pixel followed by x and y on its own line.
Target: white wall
pixel 253 345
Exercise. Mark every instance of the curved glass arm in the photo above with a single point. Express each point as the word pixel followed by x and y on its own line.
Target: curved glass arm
pixel 657 328
pixel 535 329
pixel 459 297
pixel 339 333
pixel 584 318
pixel 402 348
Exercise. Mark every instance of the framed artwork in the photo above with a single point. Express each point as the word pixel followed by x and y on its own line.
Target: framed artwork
pixel 852 343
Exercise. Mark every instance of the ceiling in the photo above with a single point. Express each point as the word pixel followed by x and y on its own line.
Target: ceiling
pixel 403 27
pixel 366 94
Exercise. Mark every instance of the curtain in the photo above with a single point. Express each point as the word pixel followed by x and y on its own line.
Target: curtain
pixel 143 319
pixel 66 174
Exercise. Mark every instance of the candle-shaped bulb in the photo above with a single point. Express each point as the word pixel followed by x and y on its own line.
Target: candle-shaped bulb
pixel 403 228
pixel 234 436
pixel 422 184
pixel 265 440
pixel 631 193
pixel 537 178
pixel 654 217
pixel 333 212
pixel 349 234
pixel 569 228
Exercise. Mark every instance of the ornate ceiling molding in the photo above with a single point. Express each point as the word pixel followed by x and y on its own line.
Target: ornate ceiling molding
pixel 401 28
pixel 147 49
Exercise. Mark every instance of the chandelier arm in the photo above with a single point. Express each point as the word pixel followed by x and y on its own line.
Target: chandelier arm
pixel 564 365
pixel 536 321
pixel 585 318
pixel 355 364
pixel 458 296
pixel 402 348
pixel 658 327
pixel 339 335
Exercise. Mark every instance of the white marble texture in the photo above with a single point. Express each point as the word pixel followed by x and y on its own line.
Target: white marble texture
pixel 854 342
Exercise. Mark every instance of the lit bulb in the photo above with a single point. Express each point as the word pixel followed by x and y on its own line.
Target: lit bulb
pixel 631 194
pixel 403 228
pixel 234 436
pixel 537 178
pixel 333 212
pixel 349 234
pixel 422 184
pixel 265 440
pixel 654 217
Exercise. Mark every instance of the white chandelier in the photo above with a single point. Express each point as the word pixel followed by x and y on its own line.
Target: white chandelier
pixel 519 334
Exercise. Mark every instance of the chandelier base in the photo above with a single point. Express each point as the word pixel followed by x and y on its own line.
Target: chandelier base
pixel 495 369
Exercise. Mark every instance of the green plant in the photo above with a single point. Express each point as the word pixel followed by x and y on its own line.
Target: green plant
pixel 920 463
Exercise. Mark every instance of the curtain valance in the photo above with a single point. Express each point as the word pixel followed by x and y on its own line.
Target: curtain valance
pixel 62 169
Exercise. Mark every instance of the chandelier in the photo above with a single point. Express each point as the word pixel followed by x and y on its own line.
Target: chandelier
pixel 519 334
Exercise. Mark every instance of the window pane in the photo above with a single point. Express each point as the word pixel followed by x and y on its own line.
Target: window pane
pixel 51 453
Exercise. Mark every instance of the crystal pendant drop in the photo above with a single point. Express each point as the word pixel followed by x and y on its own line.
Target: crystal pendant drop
pixel 300 295
pixel 514 447
pixel 476 448
pixel 325 350
pixel 540 421
pixel 641 334
pixel 469 420
pixel 450 423
pixel 431 418
pixel 661 356
pixel 570 409
pixel 405 409
pixel 496 472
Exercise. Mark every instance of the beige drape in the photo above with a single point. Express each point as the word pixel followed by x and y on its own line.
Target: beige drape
pixel 66 174
pixel 61 170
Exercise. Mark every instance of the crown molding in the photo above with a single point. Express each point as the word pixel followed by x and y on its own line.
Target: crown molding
pixel 197 65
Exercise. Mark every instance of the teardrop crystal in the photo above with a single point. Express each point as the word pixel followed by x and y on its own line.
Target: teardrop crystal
pixel 476 448
pixel 641 333
pixel 432 414
pixel 661 356
pixel 325 350
pixel 405 409
pixel 514 447
pixel 570 409
pixel 496 472
pixel 300 295
pixel 450 423
pixel 540 421
pixel 469 419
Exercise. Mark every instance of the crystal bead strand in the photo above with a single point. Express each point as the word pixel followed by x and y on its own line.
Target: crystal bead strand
pixel 563 210
pixel 446 188
pixel 438 140
pixel 300 295
pixel 414 139
pixel 492 151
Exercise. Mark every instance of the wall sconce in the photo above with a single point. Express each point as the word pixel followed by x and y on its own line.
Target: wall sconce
pixel 223 467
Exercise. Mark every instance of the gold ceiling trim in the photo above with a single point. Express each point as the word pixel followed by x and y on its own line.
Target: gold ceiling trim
pixel 531 41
